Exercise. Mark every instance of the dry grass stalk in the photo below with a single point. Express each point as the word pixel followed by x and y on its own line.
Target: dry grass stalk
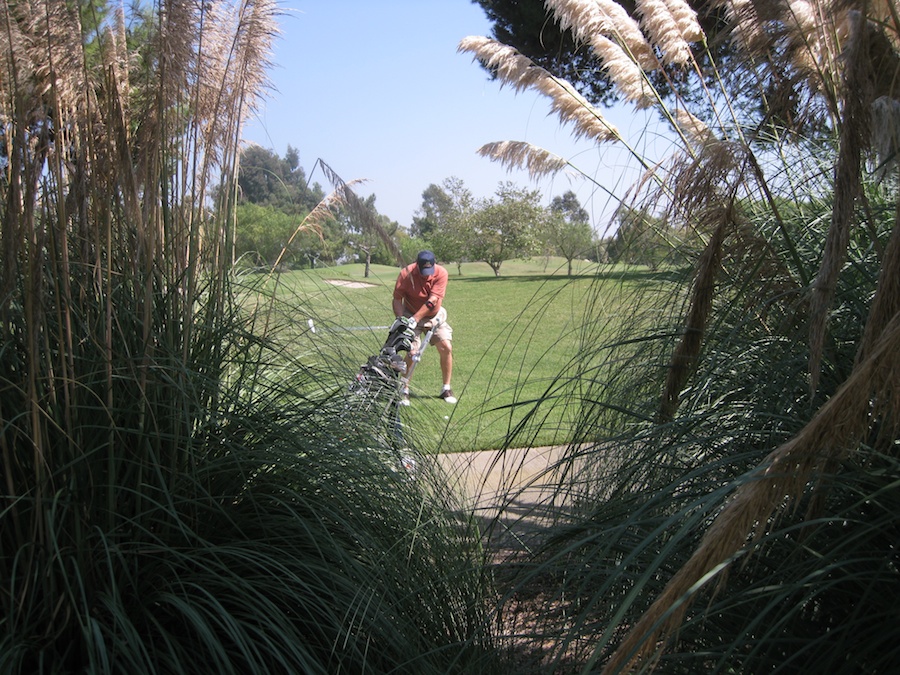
pixel 114 133
pixel 854 133
pixel 573 108
pixel 867 397
pixel 886 303
pixel 344 197
pixel 40 44
pixel 112 61
pixel 708 168
pixel 805 38
pixel 45 104
pixel 748 30
pixel 886 135
pixel 627 75
pixel 885 13
pixel 619 44
pixel 616 40
pixel 99 203
pixel 684 358
pixel 120 40
pixel 520 155
pixel 802 18
pixel 816 33
pixel 698 136
pixel 240 46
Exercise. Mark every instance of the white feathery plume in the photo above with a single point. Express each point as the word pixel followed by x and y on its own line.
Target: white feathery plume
pixel 803 27
pixel 124 61
pixel 660 25
pixel 686 19
pixel 624 72
pixel 520 155
pixel 574 108
pixel 590 19
pixel 56 51
pixel 520 72
pixel 510 66
pixel 114 50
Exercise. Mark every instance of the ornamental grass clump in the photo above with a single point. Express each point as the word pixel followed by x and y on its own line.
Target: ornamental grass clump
pixel 736 454
pixel 178 495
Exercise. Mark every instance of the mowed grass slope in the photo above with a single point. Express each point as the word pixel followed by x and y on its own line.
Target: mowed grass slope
pixel 513 337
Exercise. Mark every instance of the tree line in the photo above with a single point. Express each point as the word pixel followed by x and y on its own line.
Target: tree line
pixel 276 196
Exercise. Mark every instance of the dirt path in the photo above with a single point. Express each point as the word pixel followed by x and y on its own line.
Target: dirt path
pixel 513 493
pixel 515 498
pixel 482 476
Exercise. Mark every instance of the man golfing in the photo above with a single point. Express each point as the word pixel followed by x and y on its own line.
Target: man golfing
pixel 419 295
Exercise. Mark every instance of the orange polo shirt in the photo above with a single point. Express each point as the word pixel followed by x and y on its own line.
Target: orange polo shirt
pixel 414 289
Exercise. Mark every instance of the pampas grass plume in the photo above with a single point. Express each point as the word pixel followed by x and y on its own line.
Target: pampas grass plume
pixel 686 19
pixel 592 19
pixel 520 72
pixel 624 73
pixel 664 32
pixel 520 155
pixel 509 66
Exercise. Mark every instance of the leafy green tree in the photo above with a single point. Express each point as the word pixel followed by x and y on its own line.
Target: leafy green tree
pixel 437 207
pixel 450 238
pixel 261 175
pixel 409 246
pixel 279 186
pixel 264 178
pixel 313 245
pixel 506 226
pixel 640 239
pixel 263 233
pixel 366 241
pixel 567 229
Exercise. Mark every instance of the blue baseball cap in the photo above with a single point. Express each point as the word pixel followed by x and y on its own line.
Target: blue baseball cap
pixel 425 261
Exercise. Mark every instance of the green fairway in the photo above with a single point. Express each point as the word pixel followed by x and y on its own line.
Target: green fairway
pixel 512 338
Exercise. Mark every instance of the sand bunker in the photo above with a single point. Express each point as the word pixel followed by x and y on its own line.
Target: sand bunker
pixel 349 284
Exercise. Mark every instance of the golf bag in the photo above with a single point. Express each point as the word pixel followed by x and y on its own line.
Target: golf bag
pixel 382 372
pixel 377 387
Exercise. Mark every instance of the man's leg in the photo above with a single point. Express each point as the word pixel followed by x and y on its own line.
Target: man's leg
pixel 445 349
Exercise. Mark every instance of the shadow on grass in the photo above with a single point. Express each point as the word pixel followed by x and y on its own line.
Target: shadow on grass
pixel 636 275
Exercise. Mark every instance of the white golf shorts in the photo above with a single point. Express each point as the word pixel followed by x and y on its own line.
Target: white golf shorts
pixel 442 332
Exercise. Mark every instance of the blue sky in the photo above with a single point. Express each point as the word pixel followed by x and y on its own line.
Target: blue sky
pixel 378 91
